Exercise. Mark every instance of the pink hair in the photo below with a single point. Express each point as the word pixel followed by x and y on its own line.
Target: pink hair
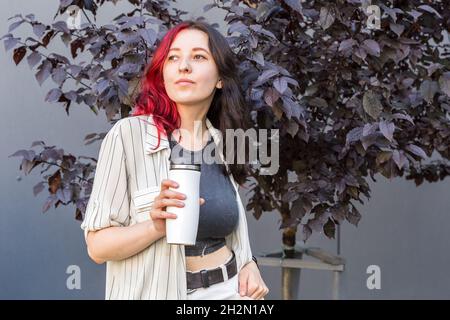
pixel 153 98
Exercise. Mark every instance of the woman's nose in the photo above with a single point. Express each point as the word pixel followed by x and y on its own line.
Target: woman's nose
pixel 184 65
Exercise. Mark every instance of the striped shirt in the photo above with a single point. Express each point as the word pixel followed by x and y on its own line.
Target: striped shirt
pixel 126 181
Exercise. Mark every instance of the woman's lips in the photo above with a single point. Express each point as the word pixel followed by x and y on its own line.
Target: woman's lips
pixel 184 83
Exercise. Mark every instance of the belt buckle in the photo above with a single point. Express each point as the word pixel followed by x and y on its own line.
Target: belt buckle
pixel 204 276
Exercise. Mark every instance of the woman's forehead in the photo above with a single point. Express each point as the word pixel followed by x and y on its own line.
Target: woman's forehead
pixel 190 39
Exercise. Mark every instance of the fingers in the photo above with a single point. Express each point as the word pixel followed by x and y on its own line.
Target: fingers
pixel 172 194
pixel 166 202
pixel 243 286
pixel 258 292
pixel 160 214
pixel 167 196
pixel 167 183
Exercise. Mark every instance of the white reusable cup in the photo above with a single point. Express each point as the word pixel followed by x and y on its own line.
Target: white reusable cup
pixel 183 229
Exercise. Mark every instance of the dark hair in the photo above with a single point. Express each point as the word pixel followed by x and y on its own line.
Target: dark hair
pixel 228 108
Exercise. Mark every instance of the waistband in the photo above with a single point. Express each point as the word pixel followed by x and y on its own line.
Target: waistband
pixel 203 247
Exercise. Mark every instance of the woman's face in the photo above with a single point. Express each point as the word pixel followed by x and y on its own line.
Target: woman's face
pixel 189 58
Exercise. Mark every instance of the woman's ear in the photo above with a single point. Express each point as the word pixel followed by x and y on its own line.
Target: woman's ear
pixel 219 84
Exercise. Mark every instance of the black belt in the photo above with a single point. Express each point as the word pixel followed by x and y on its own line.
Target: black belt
pixel 205 278
pixel 207 248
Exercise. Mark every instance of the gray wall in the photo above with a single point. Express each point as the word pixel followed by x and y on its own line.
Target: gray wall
pixel 403 229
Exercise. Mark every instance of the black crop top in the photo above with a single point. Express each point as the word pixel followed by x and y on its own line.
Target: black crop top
pixel 219 214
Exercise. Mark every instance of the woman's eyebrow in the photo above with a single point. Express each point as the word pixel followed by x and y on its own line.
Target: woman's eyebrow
pixel 193 49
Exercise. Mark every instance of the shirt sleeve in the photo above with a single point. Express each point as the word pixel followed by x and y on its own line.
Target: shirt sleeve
pixel 109 202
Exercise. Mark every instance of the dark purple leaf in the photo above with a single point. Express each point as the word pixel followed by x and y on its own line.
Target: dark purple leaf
pixel 30 16
pixel 10 43
pixel 399 159
pixel 45 69
pixel 415 14
pixel 15 25
pixel 48 203
pixel 326 17
pixel 129 68
pixel 19 53
pixel 271 96
pixel 64 195
pixel 15 16
pixel 397 28
pixel 37 143
pixel 354 135
pixel 75 45
pixel 39 29
pixel 33 59
pixel 148 35
pixel 294 4
pixel 444 83
pixel 387 129
pixel 329 228
pixel 369 128
pixel 428 89
pixel 75 69
pixel 20 153
pixel 430 9
pixel 61 26
pixel 59 75
pixel 372 104
pixel 403 116
pixel 280 84
pixel 65 3
pixel 367 141
pixel 133 21
pixel 318 102
pixel 266 75
pixel 38 188
pixel 353 216
pixel 418 151
pixel 371 47
pixel 267 33
pixel 306 232
pixel 101 86
pixel 238 27
pixel 258 57
pixel 71 95
pixel 433 67
pixel 53 95
pixel 347 44
pixel 292 128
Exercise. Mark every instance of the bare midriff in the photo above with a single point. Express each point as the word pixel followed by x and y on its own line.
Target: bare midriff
pixel 208 261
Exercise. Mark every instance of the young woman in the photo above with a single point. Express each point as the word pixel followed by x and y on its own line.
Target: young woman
pixel 190 83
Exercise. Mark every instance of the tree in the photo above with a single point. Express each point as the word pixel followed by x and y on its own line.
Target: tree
pixel 350 99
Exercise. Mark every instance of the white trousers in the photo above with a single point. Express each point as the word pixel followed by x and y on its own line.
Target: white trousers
pixel 225 290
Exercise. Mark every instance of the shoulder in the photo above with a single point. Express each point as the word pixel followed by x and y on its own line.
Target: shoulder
pixel 125 126
pixel 140 131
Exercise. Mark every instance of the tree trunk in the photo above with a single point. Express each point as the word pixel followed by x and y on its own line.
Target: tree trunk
pixel 290 277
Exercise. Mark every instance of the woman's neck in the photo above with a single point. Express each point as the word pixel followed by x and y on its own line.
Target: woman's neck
pixel 193 130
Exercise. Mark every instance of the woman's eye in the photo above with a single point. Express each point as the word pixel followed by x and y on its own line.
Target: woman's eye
pixel 195 57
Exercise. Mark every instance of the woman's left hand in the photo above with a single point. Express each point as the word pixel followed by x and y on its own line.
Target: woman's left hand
pixel 250 282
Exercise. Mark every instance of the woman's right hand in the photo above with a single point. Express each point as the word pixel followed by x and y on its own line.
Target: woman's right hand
pixel 166 198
